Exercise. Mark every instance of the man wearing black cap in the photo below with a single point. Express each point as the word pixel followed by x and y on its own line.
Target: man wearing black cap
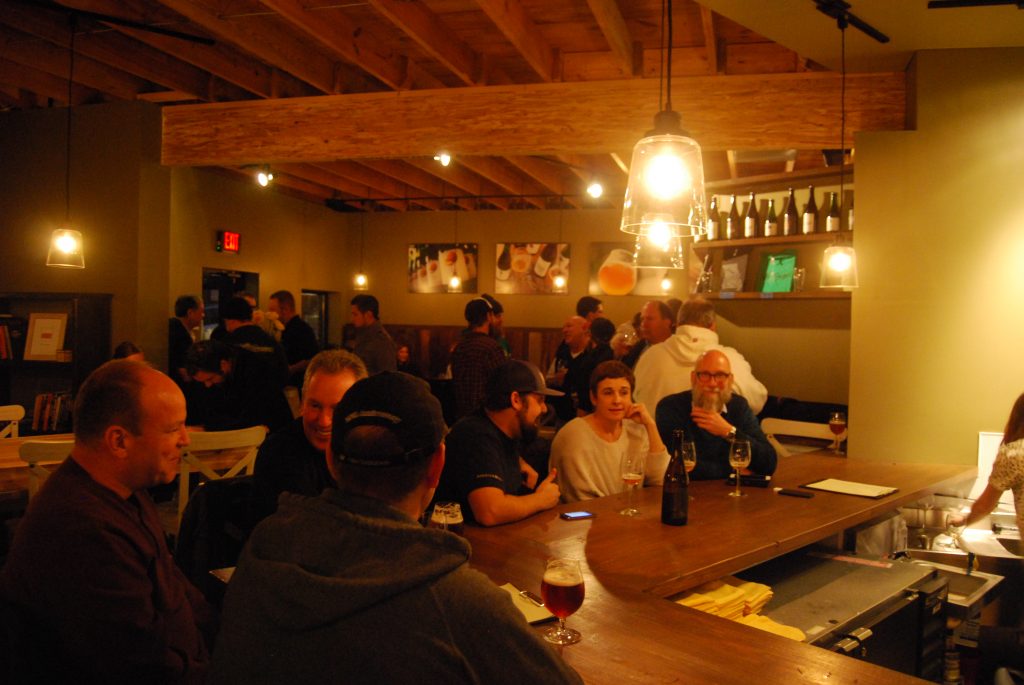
pixel 475 357
pixel 348 587
pixel 242 332
pixel 486 473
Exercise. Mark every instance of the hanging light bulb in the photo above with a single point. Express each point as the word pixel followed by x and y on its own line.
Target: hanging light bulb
pixel 595 189
pixel 361 282
pixel 666 174
pixel 264 176
pixel 666 285
pixel 66 243
pixel 455 285
pixel 558 283
pixel 443 157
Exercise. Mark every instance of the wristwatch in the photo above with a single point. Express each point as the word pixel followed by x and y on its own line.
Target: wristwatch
pixel 731 434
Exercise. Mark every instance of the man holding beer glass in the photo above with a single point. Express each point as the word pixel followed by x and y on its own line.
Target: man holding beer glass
pixel 348 587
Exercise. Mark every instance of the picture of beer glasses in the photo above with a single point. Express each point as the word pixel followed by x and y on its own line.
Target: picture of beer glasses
pixel 739 458
pixel 617 275
pixel 632 470
pixel 562 591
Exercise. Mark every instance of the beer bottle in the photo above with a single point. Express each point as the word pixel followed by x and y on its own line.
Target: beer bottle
pixel 714 224
pixel 791 217
pixel 675 496
pixel 548 254
pixel 733 227
pixel 771 222
pixel 833 219
pixel 751 220
pixel 504 265
pixel 810 217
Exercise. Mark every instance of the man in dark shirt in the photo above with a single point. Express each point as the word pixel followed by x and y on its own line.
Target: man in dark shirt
pixel 373 344
pixel 294 459
pixel 475 357
pixel 244 333
pixel 238 391
pixel 712 417
pixel 188 315
pixel 89 576
pixel 297 338
pixel 484 471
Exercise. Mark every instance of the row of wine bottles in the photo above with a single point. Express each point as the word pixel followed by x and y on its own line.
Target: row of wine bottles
pixel 730 226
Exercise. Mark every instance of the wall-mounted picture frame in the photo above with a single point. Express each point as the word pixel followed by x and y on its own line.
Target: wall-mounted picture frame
pixel 431 267
pixel 613 272
pixel 531 268
pixel 45 336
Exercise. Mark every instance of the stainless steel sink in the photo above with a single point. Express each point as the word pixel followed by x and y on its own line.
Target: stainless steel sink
pixel 968 594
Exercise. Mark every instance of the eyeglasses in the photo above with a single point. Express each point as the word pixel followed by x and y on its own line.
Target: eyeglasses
pixel 717 377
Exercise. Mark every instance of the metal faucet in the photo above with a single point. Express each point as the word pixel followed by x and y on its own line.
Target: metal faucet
pixel 954 532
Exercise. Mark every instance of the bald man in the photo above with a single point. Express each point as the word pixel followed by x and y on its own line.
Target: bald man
pixel 712 416
pixel 89 573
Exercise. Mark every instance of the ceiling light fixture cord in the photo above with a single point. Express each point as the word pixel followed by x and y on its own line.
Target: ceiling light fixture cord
pixel 668 61
pixel 67 159
pixel 842 104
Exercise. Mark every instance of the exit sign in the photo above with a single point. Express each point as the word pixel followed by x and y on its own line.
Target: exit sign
pixel 228 241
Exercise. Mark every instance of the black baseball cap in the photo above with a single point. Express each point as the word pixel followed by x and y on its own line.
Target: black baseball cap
pixel 477 310
pixel 236 309
pixel 396 401
pixel 518 376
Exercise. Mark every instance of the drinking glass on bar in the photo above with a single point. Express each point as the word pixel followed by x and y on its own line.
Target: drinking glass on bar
pixel 837 424
pixel 689 451
pixel 447 516
pixel 632 469
pixel 562 591
pixel 739 458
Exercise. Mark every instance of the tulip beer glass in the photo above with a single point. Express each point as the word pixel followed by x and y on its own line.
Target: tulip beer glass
pixel 562 591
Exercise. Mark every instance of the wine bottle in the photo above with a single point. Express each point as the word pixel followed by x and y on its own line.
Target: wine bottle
pixel 791 217
pixel 833 219
pixel 547 255
pixel 504 265
pixel 714 224
pixel 751 221
pixel 810 217
pixel 771 222
pixel 849 215
pixel 732 222
pixel 675 496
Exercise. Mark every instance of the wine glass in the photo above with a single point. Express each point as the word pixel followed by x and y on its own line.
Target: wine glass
pixel 837 424
pixel 689 452
pixel 562 591
pixel 632 470
pixel 739 458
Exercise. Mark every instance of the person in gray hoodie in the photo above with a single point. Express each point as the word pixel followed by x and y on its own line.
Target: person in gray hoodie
pixel 347 587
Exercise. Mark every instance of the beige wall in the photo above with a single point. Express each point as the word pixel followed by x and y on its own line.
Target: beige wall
pixel 938 320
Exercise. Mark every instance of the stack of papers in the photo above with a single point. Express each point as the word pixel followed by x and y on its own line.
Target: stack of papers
pixel 717 598
pixel 768 625
pixel 755 595
pixel 740 601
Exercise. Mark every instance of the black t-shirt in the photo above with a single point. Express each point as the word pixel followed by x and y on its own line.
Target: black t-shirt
pixel 478 455
pixel 288 462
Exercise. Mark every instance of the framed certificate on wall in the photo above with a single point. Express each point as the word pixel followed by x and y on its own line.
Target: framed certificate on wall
pixel 45 336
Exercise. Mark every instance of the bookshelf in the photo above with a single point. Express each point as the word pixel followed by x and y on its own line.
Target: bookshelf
pixel 47 384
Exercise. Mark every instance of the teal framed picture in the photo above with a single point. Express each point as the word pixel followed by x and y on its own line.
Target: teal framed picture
pixel 777 271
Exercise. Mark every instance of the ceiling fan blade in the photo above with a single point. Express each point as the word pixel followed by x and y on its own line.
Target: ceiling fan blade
pixel 106 18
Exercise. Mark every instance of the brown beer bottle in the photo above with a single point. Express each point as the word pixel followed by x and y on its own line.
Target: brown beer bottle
pixel 810 217
pixel 714 225
pixel 752 220
pixel 675 496
pixel 791 217
pixel 771 222
pixel 733 227
pixel 834 218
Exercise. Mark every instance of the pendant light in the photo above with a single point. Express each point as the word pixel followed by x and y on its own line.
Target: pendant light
pixel 360 281
pixel 665 195
pixel 65 242
pixel 839 263
pixel 560 279
pixel 455 283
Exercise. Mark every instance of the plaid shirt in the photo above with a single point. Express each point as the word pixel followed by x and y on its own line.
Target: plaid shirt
pixel 473 359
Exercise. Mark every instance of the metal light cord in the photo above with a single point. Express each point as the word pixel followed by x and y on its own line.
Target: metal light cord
pixel 67 156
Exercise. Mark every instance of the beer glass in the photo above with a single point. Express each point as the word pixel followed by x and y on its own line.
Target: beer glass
pixel 562 591
pixel 447 516
pixel 632 471
pixel 689 451
pixel 739 458
pixel 837 424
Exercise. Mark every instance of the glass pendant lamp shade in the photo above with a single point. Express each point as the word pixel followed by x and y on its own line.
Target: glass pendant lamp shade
pixel 360 282
pixel 839 267
pixel 665 194
pixel 66 249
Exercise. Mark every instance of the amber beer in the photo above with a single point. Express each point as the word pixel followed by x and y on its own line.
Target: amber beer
pixel 448 516
pixel 562 591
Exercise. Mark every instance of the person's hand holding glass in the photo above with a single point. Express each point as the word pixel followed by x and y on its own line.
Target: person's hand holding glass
pixel 739 458
pixel 562 591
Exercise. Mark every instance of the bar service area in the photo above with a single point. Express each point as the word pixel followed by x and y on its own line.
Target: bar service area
pixel 603 342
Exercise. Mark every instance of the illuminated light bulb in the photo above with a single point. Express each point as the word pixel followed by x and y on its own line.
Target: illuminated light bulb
pixel 667 177
pixel 666 285
pixel 361 281
pixel 658 232
pixel 66 243
pixel 595 190
pixel 444 158
pixel 264 178
pixel 839 261
pixel 559 282
pixel 455 285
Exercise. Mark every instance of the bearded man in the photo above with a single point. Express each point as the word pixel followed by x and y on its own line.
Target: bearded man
pixel 712 417
pixel 484 470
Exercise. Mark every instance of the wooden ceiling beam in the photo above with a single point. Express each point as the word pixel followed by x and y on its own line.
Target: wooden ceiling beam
pixel 44 84
pixel 41 54
pixel 376 183
pixel 220 60
pixel 511 182
pixel 707 23
pixel 416 181
pixel 111 48
pixel 347 40
pixel 613 26
pixel 322 177
pixel 721 112
pixel 515 23
pixel 548 175
pixel 462 178
pixel 269 43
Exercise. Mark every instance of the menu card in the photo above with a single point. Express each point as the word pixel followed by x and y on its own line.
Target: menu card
pixel 532 612
pixel 845 487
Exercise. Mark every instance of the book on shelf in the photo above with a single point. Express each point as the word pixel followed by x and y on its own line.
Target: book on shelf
pixel 51 412
pixel 12 336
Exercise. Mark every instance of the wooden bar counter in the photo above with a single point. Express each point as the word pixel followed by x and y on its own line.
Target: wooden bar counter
pixel 631 633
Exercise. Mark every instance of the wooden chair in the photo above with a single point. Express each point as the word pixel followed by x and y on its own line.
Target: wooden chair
pixel 12 413
pixel 36 453
pixel 801 429
pixel 245 441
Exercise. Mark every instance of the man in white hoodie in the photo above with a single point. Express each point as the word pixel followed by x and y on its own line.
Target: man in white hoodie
pixel 665 368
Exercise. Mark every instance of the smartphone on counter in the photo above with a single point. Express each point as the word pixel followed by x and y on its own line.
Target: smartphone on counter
pixel 576 515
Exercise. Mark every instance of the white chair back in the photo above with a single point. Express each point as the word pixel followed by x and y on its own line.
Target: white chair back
pixel 36 453
pixel 245 440
pixel 11 413
pixel 801 429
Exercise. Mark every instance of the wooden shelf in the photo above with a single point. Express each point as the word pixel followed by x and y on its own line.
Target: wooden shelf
pixel 815 294
pixel 770 182
pixel 820 237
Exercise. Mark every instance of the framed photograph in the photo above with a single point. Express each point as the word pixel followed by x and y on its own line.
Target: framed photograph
pixel 433 265
pixel 612 272
pixel 777 271
pixel 45 336
pixel 531 268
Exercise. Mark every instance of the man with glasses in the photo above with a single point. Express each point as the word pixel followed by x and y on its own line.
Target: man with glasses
pixel 712 417
pixel 485 471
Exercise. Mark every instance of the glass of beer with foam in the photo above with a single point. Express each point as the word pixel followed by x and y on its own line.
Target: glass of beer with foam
pixel 562 591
